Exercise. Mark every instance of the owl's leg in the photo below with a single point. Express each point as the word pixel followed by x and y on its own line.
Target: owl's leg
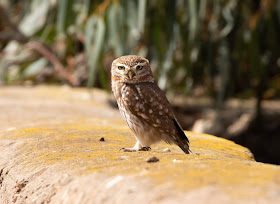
pixel 137 147
pixel 140 147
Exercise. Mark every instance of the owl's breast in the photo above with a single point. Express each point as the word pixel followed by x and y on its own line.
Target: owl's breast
pixel 120 93
pixel 129 103
pixel 136 109
pixel 124 95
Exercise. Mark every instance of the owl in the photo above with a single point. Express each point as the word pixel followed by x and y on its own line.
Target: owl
pixel 143 105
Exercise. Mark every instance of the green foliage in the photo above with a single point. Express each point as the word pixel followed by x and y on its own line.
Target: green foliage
pixel 222 48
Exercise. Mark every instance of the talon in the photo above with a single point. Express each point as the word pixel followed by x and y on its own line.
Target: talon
pixel 145 149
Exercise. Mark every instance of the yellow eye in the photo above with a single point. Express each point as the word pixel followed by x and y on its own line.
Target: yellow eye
pixel 139 67
pixel 121 67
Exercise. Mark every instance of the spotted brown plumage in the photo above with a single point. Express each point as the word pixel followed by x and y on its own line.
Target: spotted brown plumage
pixel 143 105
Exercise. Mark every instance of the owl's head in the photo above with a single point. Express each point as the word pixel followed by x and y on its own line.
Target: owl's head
pixel 131 69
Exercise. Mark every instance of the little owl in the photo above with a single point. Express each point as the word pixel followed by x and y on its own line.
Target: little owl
pixel 143 105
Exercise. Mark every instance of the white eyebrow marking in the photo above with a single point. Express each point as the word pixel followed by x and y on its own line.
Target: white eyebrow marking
pixel 119 64
pixel 139 64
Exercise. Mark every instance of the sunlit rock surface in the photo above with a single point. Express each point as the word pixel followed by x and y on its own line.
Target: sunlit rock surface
pixel 50 151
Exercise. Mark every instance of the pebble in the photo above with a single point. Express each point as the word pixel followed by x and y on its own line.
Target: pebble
pixel 102 139
pixel 177 161
pixel 11 129
pixel 124 157
pixel 167 150
pixel 152 159
pixel 88 150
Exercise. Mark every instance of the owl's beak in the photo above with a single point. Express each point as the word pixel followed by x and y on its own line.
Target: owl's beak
pixel 130 74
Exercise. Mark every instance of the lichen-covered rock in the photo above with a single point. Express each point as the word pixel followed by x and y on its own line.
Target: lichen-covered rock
pixel 50 151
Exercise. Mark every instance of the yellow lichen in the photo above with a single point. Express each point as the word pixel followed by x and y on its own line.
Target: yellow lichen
pixel 77 149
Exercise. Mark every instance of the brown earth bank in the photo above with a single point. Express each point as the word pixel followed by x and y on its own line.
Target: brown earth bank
pixel 51 151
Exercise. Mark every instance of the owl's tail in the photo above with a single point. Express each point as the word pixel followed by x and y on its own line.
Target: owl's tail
pixel 182 140
pixel 184 146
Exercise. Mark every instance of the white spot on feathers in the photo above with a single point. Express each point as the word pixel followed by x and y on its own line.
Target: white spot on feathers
pixel 144 116
pixel 139 91
pixel 140 105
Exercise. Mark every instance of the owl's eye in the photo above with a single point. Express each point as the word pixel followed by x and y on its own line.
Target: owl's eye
pixel 121 67
pixel 139 67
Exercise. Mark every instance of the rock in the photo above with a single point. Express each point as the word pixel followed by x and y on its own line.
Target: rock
pixel 102 139
pixel 52 154
pixel 167 150
pixel 176 160
pixel 152 159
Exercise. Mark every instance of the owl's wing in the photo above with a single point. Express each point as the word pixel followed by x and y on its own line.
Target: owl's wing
pixel 154 108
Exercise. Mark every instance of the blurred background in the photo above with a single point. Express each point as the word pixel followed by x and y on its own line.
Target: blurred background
pixel 218 61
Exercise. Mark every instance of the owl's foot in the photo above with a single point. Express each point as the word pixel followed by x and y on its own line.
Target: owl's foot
pixel 137 147
pixel 134 150
pixel 145 149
